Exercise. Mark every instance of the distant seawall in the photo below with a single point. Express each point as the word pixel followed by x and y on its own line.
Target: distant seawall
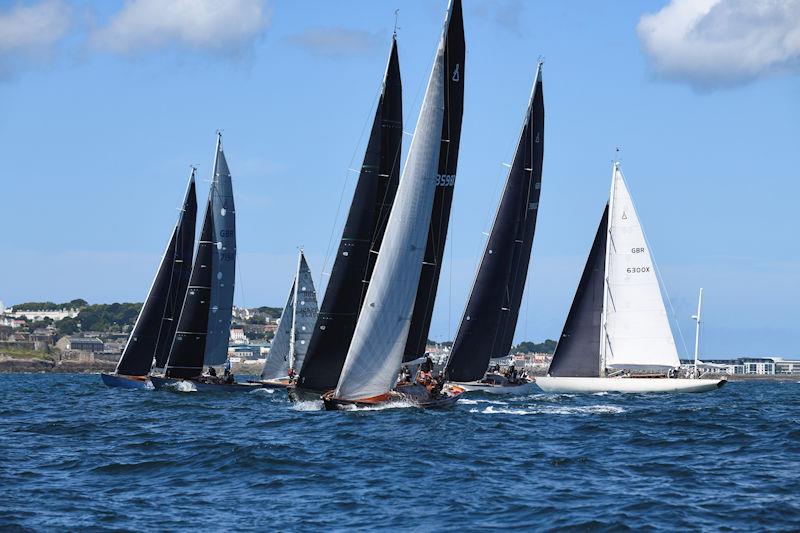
pixel 12 365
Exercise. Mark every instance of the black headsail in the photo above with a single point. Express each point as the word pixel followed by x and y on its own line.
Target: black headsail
pixel 143 344
pixel 181 271
pixel 578 350
pixel 185 358
pixel 490 317
pixel 361 239
pixel 446 179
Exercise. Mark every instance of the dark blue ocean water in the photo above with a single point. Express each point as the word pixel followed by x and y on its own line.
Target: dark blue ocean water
pixel 76 455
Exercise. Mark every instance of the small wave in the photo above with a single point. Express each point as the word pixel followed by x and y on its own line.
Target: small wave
pixel 183 386
pixel 400 404
pixel 471 401
pixel 315 405
pixel 583 410
pixel 262 391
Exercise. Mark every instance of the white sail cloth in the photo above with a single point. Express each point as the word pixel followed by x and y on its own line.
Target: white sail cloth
pixel 277 363
pixel 376 352
pixel 637 333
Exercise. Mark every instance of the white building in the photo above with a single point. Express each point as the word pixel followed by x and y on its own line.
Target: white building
pixel 54 314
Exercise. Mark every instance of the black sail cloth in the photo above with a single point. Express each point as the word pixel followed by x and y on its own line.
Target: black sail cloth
pixel 578 351
pixel 361 239
pixel 446 179
pixel 152 334
pixel 490 317
pixel 186 354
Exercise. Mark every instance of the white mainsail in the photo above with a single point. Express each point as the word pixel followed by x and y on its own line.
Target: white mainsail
pixel 376 352
pixel 277 363
pixel 636 330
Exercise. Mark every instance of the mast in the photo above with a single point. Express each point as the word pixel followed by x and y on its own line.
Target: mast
pixel 489 320
pixel 453 79
pixel 362 237
pixel 697 332
pixel 376 352
pixel 143 342
pixel 609 243
pixel 293 331
pixel 223 260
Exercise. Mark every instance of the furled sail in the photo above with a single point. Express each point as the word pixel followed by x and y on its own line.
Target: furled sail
pixel 578 351
pixel 305 314
pixel 637 331
pixel 185 358
pixel 452 74
pixel 376 351
pixel 223 261
pixel 361 240
pixel 490 317
pixel 277 363
pixel 152 333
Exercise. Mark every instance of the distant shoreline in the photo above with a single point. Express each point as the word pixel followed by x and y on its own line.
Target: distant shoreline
pixel 10 365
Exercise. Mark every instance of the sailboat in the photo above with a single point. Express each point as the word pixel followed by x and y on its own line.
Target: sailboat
pixel 487 326
pixel 376 352
pixel 360 243
pixel 154 330
pixel 617 336
pixel 290 344
pixel 203 329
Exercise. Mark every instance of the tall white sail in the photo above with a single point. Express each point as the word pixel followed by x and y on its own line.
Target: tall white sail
pixel 277 363
pixel 305 314
pixel 376 352
pixel 636 329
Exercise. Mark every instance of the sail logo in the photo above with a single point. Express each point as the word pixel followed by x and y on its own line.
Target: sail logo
pixel 456 76
pixel 638 250
pixel 538 138
pixel 445 180
pixel 638 270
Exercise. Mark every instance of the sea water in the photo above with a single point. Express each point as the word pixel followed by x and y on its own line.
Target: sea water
pixel 75 455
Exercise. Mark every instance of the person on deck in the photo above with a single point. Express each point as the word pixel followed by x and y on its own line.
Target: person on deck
pixel 424 376
pixel 212 372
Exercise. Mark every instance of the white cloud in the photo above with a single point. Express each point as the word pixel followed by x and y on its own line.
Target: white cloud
pixel 338 42
pixel 716 43
pixel 201 24
pixel 30 32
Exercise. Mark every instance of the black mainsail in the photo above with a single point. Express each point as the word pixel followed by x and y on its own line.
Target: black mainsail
pixel 152 331
pixel 361 239
pixel 185 358
pixel 490 317
pixel 446 178
pixel 577 352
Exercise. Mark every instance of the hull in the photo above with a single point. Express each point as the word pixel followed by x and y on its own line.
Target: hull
pixel 628 384
pixel 415 395
pixel 297 395
pixel 124 382
pixel 160 383
pixel 281 383
pixel 518 389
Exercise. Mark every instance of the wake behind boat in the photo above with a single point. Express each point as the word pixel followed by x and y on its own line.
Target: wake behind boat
pixel 617 337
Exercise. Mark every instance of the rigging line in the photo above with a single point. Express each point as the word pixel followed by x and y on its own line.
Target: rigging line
pixel 344 184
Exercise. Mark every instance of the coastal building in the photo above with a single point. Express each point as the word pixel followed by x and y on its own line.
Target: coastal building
pixel 238 336
pixel 53 314
pixel 751 366
pixel 83 344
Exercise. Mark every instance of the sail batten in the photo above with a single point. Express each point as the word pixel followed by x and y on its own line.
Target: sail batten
pixel 362 237
pixel 381 333
pixel 487 326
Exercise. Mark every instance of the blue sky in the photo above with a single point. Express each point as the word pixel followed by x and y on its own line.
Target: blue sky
pixel 103 107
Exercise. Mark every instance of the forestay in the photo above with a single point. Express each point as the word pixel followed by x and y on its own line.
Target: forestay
pixel 376 351
pixel 637 331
